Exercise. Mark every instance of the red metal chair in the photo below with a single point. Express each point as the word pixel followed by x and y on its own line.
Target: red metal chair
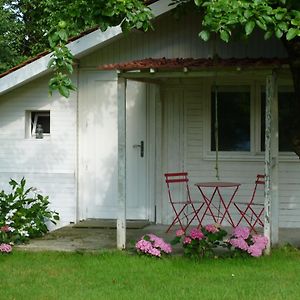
pixel 180 200
pixel 252 212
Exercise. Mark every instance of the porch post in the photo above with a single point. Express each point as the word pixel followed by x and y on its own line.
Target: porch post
pixel 121 221
pixel 271 226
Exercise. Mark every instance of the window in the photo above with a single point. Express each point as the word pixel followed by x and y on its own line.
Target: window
pixel 233 106
pixel 38 120
pixel 285 97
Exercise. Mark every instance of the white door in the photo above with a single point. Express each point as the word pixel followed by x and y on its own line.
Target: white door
pixel 136 147
pixel 98 149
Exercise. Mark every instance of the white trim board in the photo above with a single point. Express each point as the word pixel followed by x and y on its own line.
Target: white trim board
pixel 79 48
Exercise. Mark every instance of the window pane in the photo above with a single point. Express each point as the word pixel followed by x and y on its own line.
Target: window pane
pixel 284 100
pixel 42 118
pixel 45 122
pixel 233 104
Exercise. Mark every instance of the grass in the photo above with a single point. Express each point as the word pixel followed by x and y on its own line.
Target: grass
pixel 117 275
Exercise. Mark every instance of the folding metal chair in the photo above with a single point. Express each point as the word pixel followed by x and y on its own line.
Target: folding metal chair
pixel 252 212
pixel 180 200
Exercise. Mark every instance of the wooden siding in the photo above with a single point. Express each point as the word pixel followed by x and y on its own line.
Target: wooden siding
pixel 48 164
pixel 183 143
pixel 174 38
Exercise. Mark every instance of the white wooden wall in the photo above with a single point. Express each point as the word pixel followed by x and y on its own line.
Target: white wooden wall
pixel 183 149
pixel 179 39
pixel 48 164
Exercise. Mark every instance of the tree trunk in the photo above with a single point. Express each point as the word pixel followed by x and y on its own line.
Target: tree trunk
pixel 293 50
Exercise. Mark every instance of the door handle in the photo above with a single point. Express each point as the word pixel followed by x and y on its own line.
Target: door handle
pixel 141 146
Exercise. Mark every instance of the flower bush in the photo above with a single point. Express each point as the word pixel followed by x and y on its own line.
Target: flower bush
pixel 23 214
pixel 152 245
pixel 199 243
pixel 244 244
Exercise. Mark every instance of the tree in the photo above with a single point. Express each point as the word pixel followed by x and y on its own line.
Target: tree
pixel 10 42
pixel 81 14
pixel 279 18
pixel 31 26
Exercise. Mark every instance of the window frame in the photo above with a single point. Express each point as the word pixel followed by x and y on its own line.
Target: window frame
pixel 227 155
pixel 255 153
pixel 31 126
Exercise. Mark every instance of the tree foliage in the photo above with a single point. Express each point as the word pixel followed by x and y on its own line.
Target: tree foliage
pixel 32 26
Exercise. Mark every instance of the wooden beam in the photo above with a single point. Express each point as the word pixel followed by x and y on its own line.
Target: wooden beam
pixel 271 228
pixel 121 221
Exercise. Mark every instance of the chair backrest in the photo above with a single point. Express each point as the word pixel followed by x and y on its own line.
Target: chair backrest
pixel 259 181
pixel 180 180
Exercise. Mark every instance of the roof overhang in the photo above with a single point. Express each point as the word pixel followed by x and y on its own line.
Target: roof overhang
pixel 156 68
pixel 82 46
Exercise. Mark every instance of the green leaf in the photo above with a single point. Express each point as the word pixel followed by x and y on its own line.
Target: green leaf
pixel 249 27
pixel 204 34
pixel 261 25
pixel 283 26
pixel 268 34
pixel 248 14
pixel 64 91
pixel 198 2
pixel 296 22
pixel 63 35
pixel 279 16
pixel 224 35
pixel 291 33
pixel 278 33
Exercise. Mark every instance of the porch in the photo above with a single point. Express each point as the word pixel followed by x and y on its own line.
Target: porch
pixel 196 84
pixel 72 238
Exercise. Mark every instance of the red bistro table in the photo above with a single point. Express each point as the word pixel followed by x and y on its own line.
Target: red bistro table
pixel 223 205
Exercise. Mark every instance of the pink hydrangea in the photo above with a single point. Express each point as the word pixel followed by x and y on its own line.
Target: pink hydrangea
pixel 241 232
pixel 154 246
pixel 211 228
pixel 5 248
pixel 160 243
pixel 239 243
pixel 5 228
pixel 255 250
pixel 196 234
pixel 179 232
pixel 154 252
pixel 187 240
pixel 260 240
pixel 143 246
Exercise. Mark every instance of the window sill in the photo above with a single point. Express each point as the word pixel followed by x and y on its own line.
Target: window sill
pixel 249 156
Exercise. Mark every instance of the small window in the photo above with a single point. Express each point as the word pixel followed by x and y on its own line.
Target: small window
pixel 38 124
pixel 233 106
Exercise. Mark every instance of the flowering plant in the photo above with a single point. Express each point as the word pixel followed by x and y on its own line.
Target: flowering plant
pixel 152 245
pixel 5 247
pixel 23 213
pixel 243 243
pixel 200 243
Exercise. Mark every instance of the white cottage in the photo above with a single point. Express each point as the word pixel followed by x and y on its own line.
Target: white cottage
pixel 80 162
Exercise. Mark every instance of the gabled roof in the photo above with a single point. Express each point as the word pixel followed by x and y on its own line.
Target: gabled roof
pixel 37 66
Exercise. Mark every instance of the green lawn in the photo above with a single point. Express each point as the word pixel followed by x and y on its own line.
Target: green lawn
pixel 117 275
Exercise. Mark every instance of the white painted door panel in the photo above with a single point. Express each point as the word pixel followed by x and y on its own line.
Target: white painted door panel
pixel 136 142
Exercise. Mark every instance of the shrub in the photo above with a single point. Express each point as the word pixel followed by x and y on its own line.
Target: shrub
pixel 242 243
pixel 152 245
pixel 23 213
pixel 199 243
